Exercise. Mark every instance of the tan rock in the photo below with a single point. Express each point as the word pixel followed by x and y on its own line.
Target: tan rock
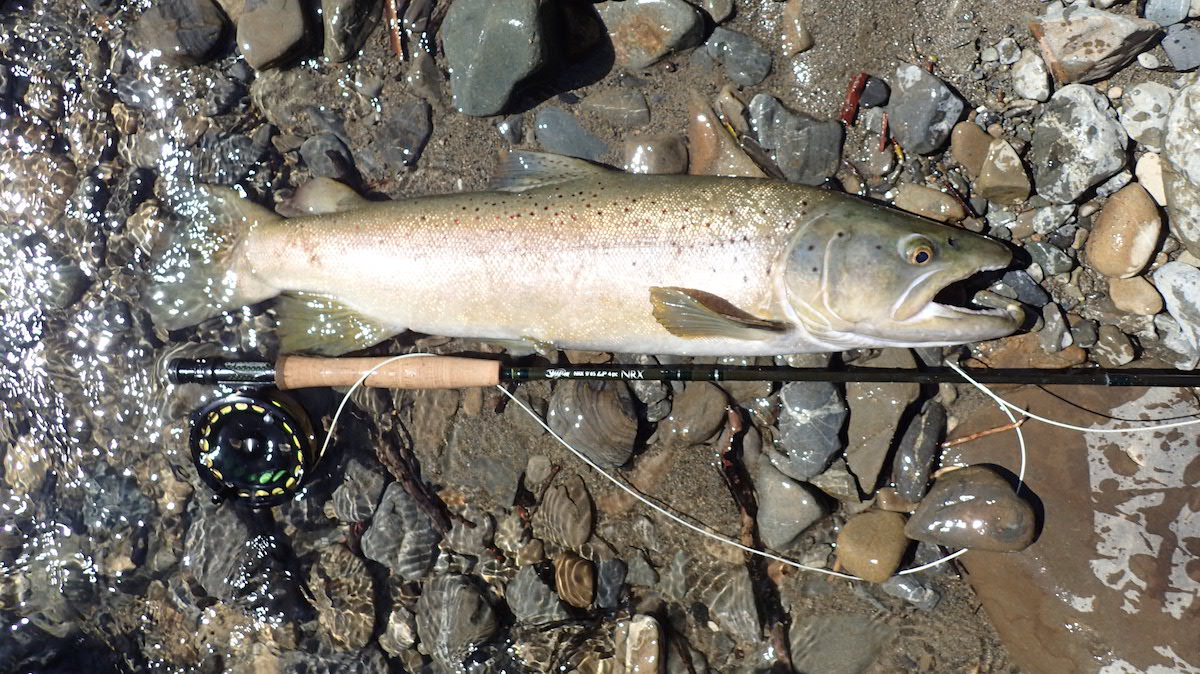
pixel 656 155
pixel 969 145
pixel 1085 44
pixel 794 36
pixel 871 544
pixel 1002 178
pixel 928 202
pixel 713 152
pixel 1125 234
pixel 1025 350
pixel 1149 174
pixel 1135 295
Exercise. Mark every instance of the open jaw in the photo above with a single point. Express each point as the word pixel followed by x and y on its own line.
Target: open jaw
pixel 965 295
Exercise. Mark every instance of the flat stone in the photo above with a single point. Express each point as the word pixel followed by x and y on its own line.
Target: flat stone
pixel 1113 348
pixel 559 132
pixel 806 150
pixel 871 544
pixel 1064 167
pixel 794 35
pixel 696 415
pixel 973 508
pixel 1182 45
pixel 1085 333
pixel 1030 77
pixel 712 150
pixel 1023 287
pixel 785 507
pixel 619 106
pixel 1126 233
pixel 1181 165
pixel 328 157
pixel 1144 113
pixel 1055 335
pixel 746 62
pixel 491 47
pixel 1166 12
pixel 1150 176
pixel 656 155
pixel 1135 295
pixel 875 413
pixel 1112 567
pixel 270 32
pixel 1179 284
pixel 1025 350
pixel 1008 51
pixel 922 110
pixel 928 202
pixel 348 24
pixel 969 144
pixel 1002 177
pixel 916 451
pixel 1084 44
pixel 811 418
pixel 644 32
pixel 184 32
pixel 1052 259
pixel 875 93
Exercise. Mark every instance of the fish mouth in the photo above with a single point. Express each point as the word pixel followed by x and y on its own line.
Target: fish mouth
pixel 943 294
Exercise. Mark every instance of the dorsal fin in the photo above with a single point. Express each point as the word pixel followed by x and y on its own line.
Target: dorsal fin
pixel 521 170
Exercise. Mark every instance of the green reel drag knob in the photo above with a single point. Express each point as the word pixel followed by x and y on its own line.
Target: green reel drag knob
pixel 254 447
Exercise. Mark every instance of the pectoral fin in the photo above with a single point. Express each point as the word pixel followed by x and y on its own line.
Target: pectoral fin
pixel 686 312
pixel 319 324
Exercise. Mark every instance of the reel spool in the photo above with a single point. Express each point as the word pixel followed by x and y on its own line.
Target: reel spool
pixel 253 447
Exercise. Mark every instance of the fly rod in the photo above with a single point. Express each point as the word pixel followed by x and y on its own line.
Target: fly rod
pixel 297 372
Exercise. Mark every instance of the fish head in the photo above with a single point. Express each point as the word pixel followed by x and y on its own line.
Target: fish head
pixel 863 275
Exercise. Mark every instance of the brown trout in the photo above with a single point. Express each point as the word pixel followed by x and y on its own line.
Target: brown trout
pixel 570 255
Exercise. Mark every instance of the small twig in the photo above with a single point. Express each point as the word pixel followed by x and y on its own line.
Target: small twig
pixel 883 133
pixel 849 110
pixel 991 431
pixel 391 16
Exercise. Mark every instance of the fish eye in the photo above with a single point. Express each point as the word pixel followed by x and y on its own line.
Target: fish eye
pixel 921 254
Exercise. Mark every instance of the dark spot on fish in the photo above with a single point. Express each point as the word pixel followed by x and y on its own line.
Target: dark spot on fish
pixel 878 247
pixel 814 270
pixel 803 202
pixel 950 242
pixel 841 234
pixel 811 247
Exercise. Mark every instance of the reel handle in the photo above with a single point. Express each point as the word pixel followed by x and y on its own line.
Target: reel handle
pixel 293 372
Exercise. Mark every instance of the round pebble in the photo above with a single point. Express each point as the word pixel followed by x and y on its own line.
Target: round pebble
pixel 973 508
pixel 928 202
pixel 1135 295
pixel 1125 234
pixel 969 145
pixel 871 544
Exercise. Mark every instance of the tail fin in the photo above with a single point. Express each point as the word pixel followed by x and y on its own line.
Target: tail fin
pixel 202 270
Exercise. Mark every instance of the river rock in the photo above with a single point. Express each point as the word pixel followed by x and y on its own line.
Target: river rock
pixel 1055 334
pixel 811 419
pixel 1166 12
pixel 1181 168
pixel 696 415
pixel 969 144
pixel 1025 350
pixel 1063 166
pixel 1084 44
pixel 794 36
pixel 928 202
pixel 1135 295
pixel 1179 284
pixel 619 106
pixel 1019 285
pixel 1150 176
pixel 1144 113
pixel 918 447
pixel 871 544
pixel 1182 45
pixel 712 151
pixel 1113 348
pixel 356 497
pixel 348 24
pixel 645 31
pixel 656 155
pixel 875 411
pixel 1052 259
pixel 1030 78
pixel 184 32
pixel 1002 178
pixel 328 157
pixel 807 151
pixel 1110 565
pixel 270 32
pixel 491 47
pixel 785 507
pixel 1125 235
pixel 922 110
pixel 973 508
pixel 401 536
pixel 746 62
pixel 559 132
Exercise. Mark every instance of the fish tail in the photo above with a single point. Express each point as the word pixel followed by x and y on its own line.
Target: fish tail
pixel 203 270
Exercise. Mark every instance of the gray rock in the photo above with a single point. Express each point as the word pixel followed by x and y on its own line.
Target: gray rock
pixel 184 32
pixel 401 536
pixel 406 131
pixel 806 150
pixel 785 507
pixel 875 413
pixel 1055 335
pixel 1008 51
pixel 1083 44
pixel 1052 259
pixel 875 93
pixel 918 447
pixel 1085 333
pixel 1114 184
pixel 491 47
pixel 328 157
pixel 512 128
pixel 1030 78
pixel 620 106
pixel 810 428
pixel 922 110
pixel 837 643
pixel 1113 349
pixel 1144 113
pixel 1181 171
pixel 746 61
pixel 610 582
pixel 914 591
pixel 1182 45
pixel 1049 218
pixel 348 24
pixel 559 132
pixel 975 508
pixel 357 496
pixel 1166 12
pixel 270 32
pixel 1023 288
pixel 1179 284
pixel 645 31
pixel 1077 144
pixel 532 600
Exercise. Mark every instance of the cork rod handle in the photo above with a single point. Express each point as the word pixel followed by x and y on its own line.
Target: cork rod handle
pixel 293 372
